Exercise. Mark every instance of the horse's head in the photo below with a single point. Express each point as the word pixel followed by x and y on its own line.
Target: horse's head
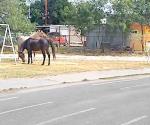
pixel 22 56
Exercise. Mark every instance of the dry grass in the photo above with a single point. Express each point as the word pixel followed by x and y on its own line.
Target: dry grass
pixel 97 52
pixel 10 70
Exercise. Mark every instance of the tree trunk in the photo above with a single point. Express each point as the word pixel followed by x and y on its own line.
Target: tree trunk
pixel 142 35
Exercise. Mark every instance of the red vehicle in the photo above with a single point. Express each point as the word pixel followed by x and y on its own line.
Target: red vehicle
pixel 57 38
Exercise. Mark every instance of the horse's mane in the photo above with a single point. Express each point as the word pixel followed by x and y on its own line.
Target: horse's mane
pixel 23 45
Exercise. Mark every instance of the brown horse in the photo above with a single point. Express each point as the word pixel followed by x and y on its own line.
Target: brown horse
pixel 35 45
pixel 35 35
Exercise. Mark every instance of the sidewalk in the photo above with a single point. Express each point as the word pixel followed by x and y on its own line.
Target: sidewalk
pixel 16 83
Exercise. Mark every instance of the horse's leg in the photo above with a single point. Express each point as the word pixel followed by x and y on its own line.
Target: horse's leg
pixel 44 56
pixel 29 56
pixel 48 53
pixel 34 55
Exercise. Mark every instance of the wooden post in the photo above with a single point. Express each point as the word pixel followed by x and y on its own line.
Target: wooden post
pixel 59 36
pixel 142 35
pixel 69 35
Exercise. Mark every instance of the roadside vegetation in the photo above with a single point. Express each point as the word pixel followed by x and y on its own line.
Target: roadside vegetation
pixel 96 52
pixel 12 13
pixel 10 70
pixel 83 15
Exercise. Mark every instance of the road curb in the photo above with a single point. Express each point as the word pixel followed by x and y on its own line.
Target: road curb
pixel 15 89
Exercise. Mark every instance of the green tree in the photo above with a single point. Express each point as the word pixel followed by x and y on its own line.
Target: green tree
pixel 11 13
pixel 85 15
pixel 37 12
pixel 128 11
pixel 55 11
pixel 122 14
pixel 141 12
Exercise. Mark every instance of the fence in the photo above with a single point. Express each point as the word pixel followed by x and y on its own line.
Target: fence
pixel 65 33
pixel 103 37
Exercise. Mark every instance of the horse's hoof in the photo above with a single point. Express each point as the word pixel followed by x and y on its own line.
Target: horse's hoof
pixel 42 64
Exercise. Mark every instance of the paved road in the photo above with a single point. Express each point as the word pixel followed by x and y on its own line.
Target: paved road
pixel 116 102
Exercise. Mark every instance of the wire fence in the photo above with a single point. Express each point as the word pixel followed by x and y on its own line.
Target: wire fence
pixel 67 34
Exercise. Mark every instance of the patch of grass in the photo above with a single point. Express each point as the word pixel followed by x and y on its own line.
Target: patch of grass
pixel 10 70
pixel 96 52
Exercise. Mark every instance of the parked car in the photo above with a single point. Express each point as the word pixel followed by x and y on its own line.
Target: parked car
pixel 57 38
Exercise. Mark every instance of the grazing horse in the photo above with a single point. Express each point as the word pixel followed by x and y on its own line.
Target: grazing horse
pixel 35 45
pixel 35 35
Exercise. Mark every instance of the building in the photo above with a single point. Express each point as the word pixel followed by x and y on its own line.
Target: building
pixel 140 34
pixel 104 36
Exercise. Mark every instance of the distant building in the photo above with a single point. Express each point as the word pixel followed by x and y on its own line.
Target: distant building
pixel 104 36
pixel 140 34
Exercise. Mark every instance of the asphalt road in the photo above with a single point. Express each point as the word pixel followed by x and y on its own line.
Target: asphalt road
pixel 116 102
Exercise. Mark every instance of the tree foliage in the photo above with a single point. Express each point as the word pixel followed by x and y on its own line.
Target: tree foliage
pixel 55 11
pixel 82 18
pixel 37 12
pixel 127 12
pixel 11 12
pixel 85 15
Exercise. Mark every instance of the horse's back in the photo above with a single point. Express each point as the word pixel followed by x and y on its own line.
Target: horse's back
pixel 40 44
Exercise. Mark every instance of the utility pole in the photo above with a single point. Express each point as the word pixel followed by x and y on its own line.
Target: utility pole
pixel 29 15
pixel 29 9
pixel 46 12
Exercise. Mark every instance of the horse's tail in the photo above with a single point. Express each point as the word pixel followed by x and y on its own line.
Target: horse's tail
pixel 53 49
